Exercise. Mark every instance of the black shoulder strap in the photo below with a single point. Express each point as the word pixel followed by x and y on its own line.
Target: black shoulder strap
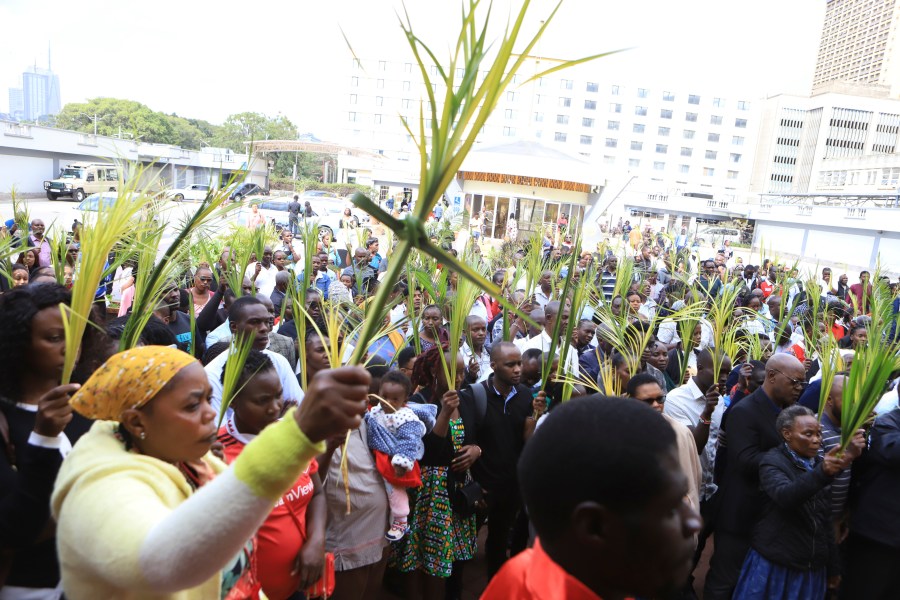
pixel 480 396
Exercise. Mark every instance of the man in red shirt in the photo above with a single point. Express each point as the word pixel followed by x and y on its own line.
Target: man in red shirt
pixel 602 485
pixel 862 300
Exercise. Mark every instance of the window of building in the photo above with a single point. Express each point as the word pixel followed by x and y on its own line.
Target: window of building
pixel 352 117
pixel 615 108
pixel 382 65
pixel 743 105
pixel 607 160
pixel 637 145
pixel 640 111
pixel 737 140
pixel 378 119
pixel 562 119
pixel 668 97
pixel 565 84
pixel 379 101
pixel 684 168
pixel 663 132
pixel 612 142
pixel 634 163
pixel 538 117
pixel 406 86
pixel 740 123
pixel 510 96
pixel 735 158
pixel 614 90
pixel 711 154
pixel 559 136
pixel 685 151
pixel 665 114
pixel 637 128
pixel 508 113
pixel 590 104
pixel 407 103
pixel 459 72
pixel 612 125
pixel 708 172
pixel 586 122
pixel 732 174
pixel 354 82
pixel 693 99
pixel 352 98
pixel 712 137
pixel 642 93
pixel 407 67
pixel 380 84
pixel 715 120
pixel 659 166
pixel 718 103
pixel 661 148
pixel 587 140
pixel 565 102
pixel 689 134
pixel 690 117
pixel 356 64
pixel 509 131
pixel 592 87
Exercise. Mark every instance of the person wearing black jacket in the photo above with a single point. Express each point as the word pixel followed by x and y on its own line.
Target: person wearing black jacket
pixel 793 547
pixel 501 436
pixel 751 433
pixel 873 546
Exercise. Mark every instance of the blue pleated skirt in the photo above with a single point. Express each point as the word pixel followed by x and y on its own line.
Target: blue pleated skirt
pixel 764 580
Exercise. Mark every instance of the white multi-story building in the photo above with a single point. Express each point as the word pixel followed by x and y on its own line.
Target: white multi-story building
pixel 664 139
pixel 859 44
pixel 828 143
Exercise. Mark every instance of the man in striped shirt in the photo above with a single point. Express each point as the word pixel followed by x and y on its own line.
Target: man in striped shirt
pixel 831 437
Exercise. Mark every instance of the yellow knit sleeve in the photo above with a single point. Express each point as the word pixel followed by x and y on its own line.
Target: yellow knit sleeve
pixel 271 463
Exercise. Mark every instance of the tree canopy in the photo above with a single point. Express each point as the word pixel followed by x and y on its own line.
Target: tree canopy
pixel 134 120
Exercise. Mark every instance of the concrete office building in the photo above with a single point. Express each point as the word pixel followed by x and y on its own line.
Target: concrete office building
pixel 859 44
pixel 828 143
pixel 666 139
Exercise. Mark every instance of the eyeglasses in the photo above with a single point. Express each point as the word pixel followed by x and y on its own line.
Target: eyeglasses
pixel 794 382
pixel 206 279
pixel 657 400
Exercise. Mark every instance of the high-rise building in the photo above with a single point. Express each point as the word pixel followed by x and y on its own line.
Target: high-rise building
pixel 673 138
pixel 38 96
pixel 859 45
pixel 16 103
pixel 828 144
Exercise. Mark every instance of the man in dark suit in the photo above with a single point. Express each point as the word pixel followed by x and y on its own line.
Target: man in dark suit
pixel 751 433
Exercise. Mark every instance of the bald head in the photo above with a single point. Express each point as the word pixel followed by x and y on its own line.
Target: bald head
pixel 551 309
pixel 498 350
pixel 785 379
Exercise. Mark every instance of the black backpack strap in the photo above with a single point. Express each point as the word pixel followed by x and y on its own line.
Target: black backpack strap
pixel 480 396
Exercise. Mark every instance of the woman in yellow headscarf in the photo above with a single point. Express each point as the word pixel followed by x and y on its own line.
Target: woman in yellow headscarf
pixel 145 511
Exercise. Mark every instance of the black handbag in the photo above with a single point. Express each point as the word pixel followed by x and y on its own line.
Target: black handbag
pixel 466 495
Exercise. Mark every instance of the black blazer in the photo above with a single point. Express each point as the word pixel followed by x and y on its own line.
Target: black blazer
pixel 751 433
pixel 795 528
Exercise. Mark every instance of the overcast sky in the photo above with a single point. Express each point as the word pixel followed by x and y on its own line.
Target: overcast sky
pixel 211 59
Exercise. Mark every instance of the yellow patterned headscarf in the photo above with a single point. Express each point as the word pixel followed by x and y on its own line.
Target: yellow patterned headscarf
pixel 128 379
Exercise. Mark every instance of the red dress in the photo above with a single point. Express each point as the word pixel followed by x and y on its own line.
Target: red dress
pixel 283 533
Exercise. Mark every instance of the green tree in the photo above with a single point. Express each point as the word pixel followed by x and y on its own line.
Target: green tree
pixel 250 127
pixel 114 116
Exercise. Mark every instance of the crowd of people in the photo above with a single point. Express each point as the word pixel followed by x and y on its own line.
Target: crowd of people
pixel 587 470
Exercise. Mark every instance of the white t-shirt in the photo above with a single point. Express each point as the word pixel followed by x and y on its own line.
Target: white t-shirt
pixel 265 281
